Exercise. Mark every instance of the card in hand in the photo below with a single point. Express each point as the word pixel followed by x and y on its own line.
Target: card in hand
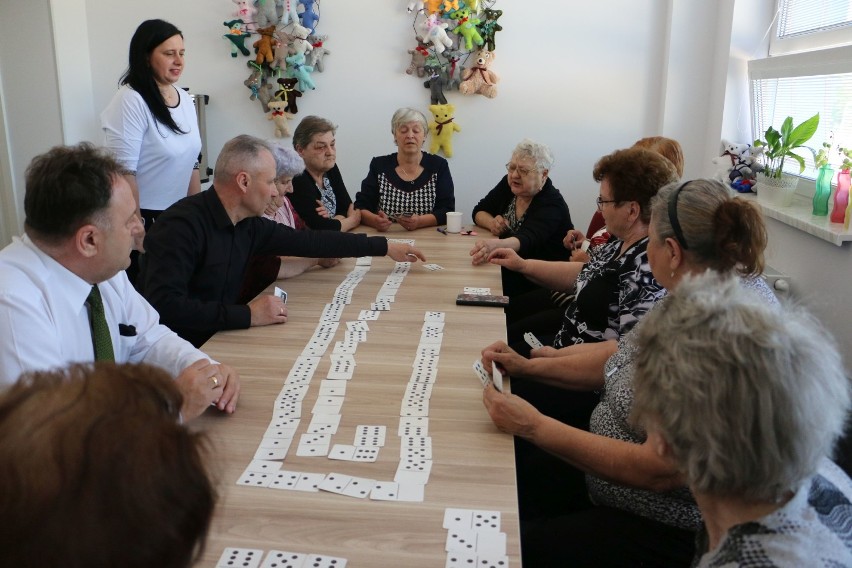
pixel 532 340
pixel 279 293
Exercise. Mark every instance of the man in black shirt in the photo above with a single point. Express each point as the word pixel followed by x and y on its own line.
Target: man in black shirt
pixel 197 251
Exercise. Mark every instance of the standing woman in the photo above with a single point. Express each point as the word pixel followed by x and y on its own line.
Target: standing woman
pixel 411 187
pixel 151 125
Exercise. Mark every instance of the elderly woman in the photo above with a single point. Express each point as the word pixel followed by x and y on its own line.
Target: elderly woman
pixel 411 187
pixel 748 402
pixel 319 195
pixel 524 211
pixel 637 509
pixel 265 269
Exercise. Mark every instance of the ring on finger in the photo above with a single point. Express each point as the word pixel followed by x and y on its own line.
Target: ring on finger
pixel 215 382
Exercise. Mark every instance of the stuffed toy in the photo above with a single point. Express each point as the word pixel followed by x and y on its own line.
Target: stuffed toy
pixel 489 27
pixel 253 81
pixel 435 83
pixel 318 51
pixel 415 6
pixel 450 5
pixel 265 95
pixel 479 79
pixel 279 118
pixel 435 32
pixel 267 13
pixel 433 6
pixel 237 36
pixel 297 68
pixel 452 70
pixel 738 166
pixel 467 28
pixel 279 48
pixel 418 59
pixel 309 16
pixel 289 11
pixel 288 93
pixel 299 39
pixel 442 128
pixel 246 12
pixel 263 46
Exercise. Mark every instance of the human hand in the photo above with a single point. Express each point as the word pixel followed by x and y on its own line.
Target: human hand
pixel 328 262
pixel 267 310
pixel 546 351
pixel 231 388
pixel 409 222
pixel 579 255
pixel 271 208
pixel 498 225
pixel 506 358
pixel 573 239
pixel 201 385
pixel 510 413
pixel 402 252
pixel 481 249
pixel 507 258
pixel 321 210
pixel 382 222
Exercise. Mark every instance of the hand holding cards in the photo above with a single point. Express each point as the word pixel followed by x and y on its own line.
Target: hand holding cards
pixel 495 376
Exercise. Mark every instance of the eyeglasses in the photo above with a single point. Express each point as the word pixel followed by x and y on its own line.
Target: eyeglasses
pixel 523 172
pixel 601 202
pixel 284 182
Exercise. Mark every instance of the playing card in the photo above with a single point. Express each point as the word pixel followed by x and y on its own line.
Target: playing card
pixel 532 340
pixel 408 421
pixel 415 453
pixel 263 466
pixel 434 316
pixel 370 430
pixel 271 453
pixel 411 492
pixel 279 293
pixel 355 337
pixel 324 424
pixel 496 377
pixel 255 479
pixel 313 445
pixel 474 290
pixel 309 482
pixel 461 540
pixel 284 559
pixel 385 491
pixel 436 325
pixel 369 315
pixel 357 326
pixel 491 543
pixel 485 521
pixel 335 483
pixel 285 480
pixel 425 442
pixel 359 487
pixel 433 267
pixel 275 443
pixel 462 560
pixel 364 261
pixel 479 369
pixel 492 561
pixel 328 401
pixel 457 518
pixel 380 305
pixel 372 441
pixel 332 387
pixel 413 471
pixel 365 454
pixel 319 561
pixel 242 557
pixel 345 347
pixel 341 452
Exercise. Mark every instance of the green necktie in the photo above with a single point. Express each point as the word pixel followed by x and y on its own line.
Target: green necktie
pixel 101 338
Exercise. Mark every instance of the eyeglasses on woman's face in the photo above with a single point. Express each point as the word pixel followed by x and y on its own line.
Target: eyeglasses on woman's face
pixel 523 172
pixel 600 202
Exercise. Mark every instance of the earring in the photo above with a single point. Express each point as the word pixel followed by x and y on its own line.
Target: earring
pixel 672 274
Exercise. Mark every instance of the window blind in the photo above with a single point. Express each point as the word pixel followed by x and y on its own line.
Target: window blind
pixel 800 17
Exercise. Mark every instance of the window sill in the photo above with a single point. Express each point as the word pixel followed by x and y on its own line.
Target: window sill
pixel 798 215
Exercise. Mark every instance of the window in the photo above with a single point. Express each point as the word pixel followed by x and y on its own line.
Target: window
pixel 804 25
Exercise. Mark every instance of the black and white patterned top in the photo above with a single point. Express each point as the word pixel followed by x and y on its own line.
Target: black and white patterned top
pixel 610 418
pixel 431 192
pixel 814 528
pixel 612 293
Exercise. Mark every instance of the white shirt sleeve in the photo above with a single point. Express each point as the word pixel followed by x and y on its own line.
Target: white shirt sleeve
pixel 125 121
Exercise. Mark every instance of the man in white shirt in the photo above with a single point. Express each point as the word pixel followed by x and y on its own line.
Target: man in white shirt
pixel 80 225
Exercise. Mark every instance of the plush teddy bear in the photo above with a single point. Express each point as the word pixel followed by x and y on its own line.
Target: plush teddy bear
pixel 288 93
pixel 479 79
pixel 267 13
pixel 299 39
pixel 309 16
pixel 442 128
pixel 435 32
pixel 489 27
pixel 253 81
pixel 418 59
pixel 318 51
pixel 237 36
pixel 433 6
pixel 265 94
pixel 435 83
pixel 738 166
pixel 467 28
pixel 279 116
pixel 245 11
pixel 288 9
pixel 297 68
pixel 263 46
pixel 452 70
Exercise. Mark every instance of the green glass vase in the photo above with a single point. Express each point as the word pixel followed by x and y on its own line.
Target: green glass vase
pixel 822 195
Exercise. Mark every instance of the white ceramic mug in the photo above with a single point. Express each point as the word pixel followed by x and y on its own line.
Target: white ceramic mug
pixel 454 222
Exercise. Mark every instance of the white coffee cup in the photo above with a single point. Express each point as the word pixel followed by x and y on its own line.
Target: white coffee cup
pixel 454 222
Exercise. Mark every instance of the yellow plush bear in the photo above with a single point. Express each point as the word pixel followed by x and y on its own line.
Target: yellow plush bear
pixel 442 128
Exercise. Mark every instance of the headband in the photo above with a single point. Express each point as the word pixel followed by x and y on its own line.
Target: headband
pixel 673 217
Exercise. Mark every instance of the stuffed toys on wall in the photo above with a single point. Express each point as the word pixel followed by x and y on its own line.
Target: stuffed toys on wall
pixel 253 81
pixel 288 93
pixel 433 6
pixel 318 51
pixel 296 67
pixel 442 128
pixel 279 117
pixel 479 79
pixel 452 70
pixel 263 46
pixel 415 6
pixel 289 11
pixel 418 59
pixel 435 83
pixel 265 94
pixel 309 17
pixel 246 12
pixel 467 27
pixel 738 166
pixel 489 27
pixel 450 5
pixel 435 32
pixel 299 39
pixel 237 36
pixel 267 13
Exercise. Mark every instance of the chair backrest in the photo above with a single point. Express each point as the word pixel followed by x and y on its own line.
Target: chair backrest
pixel 596 223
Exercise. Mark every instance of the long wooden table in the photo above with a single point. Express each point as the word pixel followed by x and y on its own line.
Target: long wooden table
pixel 473 463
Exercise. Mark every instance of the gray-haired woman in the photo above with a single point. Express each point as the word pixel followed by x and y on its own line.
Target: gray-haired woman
pixel 412 187
pixel 639 509
pixel 748 401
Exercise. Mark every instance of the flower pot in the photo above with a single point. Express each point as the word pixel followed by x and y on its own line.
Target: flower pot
pixel 841 197
pixel 823 191
pixel 776 191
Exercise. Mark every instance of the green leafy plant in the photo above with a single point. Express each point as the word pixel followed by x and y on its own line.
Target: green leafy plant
pixel 779 144
pixel 846 165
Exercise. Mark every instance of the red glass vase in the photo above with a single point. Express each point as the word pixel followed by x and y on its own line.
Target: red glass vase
pixel 841 197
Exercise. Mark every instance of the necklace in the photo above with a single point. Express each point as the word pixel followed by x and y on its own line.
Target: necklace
pixel 408 175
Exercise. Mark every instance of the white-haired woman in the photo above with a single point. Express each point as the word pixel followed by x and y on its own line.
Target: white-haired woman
pixel 524 211
pixel 263 270
pixel 412 187
pixel 748 402
pixel 633 508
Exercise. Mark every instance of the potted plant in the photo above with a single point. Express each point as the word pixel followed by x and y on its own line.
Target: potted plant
pixel 774 186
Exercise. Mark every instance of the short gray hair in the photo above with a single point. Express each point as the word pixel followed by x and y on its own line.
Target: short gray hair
pixel 288 163
pixel 748 397
pixel 309 127
pixel 540 153
pixel 405 115
pixel 241 153
pixel 722 232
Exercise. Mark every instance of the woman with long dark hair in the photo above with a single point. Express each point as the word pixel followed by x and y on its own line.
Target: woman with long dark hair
pixel 151 125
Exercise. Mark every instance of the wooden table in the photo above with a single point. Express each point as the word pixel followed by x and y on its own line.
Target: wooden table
pixel 473 465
